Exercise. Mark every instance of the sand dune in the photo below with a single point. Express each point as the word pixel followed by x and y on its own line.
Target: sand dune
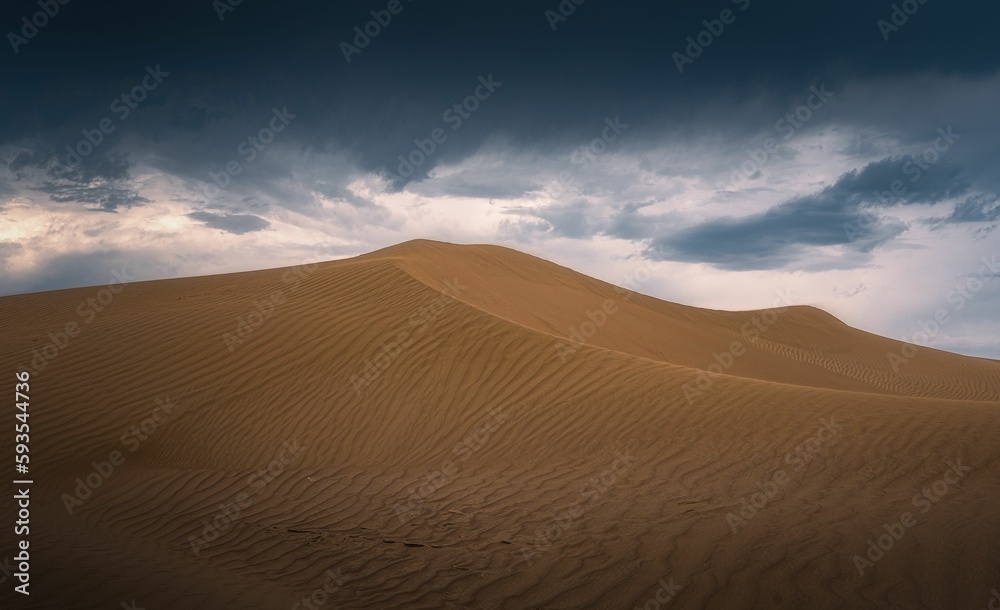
pixel 422 427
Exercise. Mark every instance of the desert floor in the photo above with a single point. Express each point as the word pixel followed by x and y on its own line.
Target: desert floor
pixel 443 426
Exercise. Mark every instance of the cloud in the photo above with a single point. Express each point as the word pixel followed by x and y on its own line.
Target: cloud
pixel 978 208
pixel 8 249
pixel 100 165
pixel 627 223
pixel 982 209
pixel 842 214
pixel 483 182
pixel 238 224
pixel 103 196
pixel 71 270
pixel 571 220
pixel 101 181
pixel 26 158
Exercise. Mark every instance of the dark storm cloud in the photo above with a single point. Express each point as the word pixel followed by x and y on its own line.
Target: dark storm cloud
pixel 429 56
pixel 979 208
pixel 851 212
pixel 982 211
pixel 837 215
pixel 99 181
pixel 102 197
pixel 561 79
pixel 102 165
pixel 231 223
pixel 903 179
pixel 25 159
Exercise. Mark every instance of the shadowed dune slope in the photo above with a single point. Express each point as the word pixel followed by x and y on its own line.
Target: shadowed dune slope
pixel 417 423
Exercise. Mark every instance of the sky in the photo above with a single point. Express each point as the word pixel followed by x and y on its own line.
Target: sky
pixel 716 154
